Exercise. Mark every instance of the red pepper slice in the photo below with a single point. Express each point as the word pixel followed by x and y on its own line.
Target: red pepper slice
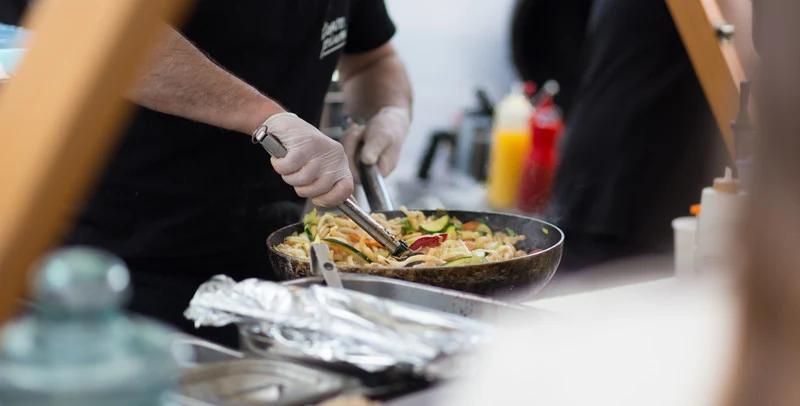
pixel 429 241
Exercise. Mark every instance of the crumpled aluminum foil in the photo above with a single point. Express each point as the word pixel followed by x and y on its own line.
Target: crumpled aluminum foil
pixel 336 325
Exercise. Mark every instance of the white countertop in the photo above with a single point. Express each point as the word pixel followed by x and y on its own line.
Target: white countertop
pixel 578 301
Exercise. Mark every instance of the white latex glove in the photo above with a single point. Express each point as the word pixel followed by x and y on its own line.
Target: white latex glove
pixel 383 139
pixel 314 164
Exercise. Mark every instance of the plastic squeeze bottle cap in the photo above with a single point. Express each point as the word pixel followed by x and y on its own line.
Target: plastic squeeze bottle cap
pixel 514 110
pixel 727 184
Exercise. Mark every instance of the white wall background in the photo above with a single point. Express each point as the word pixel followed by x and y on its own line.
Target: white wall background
pixel 450 47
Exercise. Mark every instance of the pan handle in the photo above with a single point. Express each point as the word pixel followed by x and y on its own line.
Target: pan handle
pixel 375 188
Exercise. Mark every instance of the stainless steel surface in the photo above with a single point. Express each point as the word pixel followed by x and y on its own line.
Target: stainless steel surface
pixel 350 208
pixel 336 325
pixel 375 188
pixel 322 265
pixel 270 143
pixel 264 382
pixel 205 352
pixel 220 376
pixel 445 300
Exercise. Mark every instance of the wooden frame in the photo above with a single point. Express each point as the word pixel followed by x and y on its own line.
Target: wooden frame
pixel 58 117
pixel 716 62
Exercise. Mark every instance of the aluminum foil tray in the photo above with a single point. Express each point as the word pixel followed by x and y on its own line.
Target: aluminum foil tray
pixel 444 300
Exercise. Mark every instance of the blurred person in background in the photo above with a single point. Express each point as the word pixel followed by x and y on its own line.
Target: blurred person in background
pixel 187 195
pixel 640 140
pixel 711 344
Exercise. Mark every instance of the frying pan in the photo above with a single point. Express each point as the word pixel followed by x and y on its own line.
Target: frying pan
pixel 512 280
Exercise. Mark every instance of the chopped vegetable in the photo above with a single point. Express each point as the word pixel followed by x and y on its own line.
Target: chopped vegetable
pixel 483 229
pixel 347 248
pixel 310 218
pixel 471 226
pixel 470 260
pixel 428 241
pixel 546 231
pixel 367 242
pixel 441 237
pixel 436 226
pixel 451 232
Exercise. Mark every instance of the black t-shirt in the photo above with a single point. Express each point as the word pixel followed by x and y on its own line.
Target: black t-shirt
pixel 180 189
pixel 640 140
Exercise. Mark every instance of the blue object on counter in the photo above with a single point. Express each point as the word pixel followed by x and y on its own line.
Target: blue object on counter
pixel 12 39
pixel 77 348
pixel 9 59
pixel 11 36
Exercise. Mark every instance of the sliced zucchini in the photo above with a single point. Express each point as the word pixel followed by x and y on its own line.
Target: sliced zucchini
pixel 311 232
pixel 407 227
pixel 470 260
pixel 451 232
pixel 468 235
pixel 310 218
pixel 436 226
pixel 347 248
pixel 484 229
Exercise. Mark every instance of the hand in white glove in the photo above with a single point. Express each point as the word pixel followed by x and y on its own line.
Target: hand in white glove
pixel 314 164
pixel 383 139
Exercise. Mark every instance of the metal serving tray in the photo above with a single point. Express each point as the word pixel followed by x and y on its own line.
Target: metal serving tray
pixel 219 376
pixel 445 300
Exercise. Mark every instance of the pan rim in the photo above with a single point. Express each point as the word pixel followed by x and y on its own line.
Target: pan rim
pixel 555 246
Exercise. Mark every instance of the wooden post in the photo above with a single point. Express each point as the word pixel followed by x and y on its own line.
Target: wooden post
pixel 58 118
pixel 715 62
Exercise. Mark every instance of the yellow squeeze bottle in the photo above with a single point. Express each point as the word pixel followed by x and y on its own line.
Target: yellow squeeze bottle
pixel 511 139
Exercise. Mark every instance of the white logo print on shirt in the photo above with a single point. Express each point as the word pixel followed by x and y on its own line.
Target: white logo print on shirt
pixel 334 36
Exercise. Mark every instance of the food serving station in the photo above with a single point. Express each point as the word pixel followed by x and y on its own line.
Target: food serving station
pixel 325 331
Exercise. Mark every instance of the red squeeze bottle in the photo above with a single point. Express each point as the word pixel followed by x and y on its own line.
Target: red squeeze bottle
pixel 540 164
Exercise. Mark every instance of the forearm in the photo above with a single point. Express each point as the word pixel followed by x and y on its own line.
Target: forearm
pixel 180 80
pixel 379 84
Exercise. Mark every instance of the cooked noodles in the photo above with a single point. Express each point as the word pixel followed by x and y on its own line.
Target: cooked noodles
pixel 442 240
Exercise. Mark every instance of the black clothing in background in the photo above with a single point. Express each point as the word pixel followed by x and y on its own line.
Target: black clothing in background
pixel 640 140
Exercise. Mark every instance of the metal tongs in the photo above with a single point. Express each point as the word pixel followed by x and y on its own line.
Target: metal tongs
pixel 349 207
pixel 321 264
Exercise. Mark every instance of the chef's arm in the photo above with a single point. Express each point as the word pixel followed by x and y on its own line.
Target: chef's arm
pixel 180 80
pixel 373 80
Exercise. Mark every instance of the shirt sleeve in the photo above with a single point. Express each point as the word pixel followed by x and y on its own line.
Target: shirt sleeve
pixel 369 27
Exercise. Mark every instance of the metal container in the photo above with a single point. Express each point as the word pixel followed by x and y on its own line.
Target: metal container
pixel 219 376
pixel 445 300
pixel 204 352
pixel 260 382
